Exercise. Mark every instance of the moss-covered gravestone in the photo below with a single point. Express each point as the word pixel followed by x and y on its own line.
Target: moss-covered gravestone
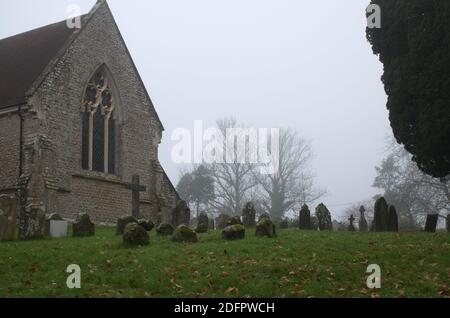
pixel 249 215
pixel 183 234
pixel 134 234
pixel 146 224
pixel 323 218
pixel 32 225
pixel 123 222
pixel 304 218
pixel 363 227
pixel 165 229
pixel 233 232
pixel 202 223
pixel 392 219
pixel 234 220
pixel 83 226
pixel 265 227
pixel 381 216
pixel 431 223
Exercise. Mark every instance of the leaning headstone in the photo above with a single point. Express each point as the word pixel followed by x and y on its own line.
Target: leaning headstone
pixel 123 222
pixel 351 227
pixel 381 215
pixel 249 215
pixel 184 234
pixel 305 218
pixel 265 227
pixel 323 218
pixel 392 219
pixel 233 232
pixel 134 234
pixel 203 223
pixel 48 219
pixel 165 229
pixel 234 220
pixel 431 223
pixel 181 214
pixel 146 224
pixel 83 226
pixel 33 225
pixel 222 221
pixel 58 229
pixel 8 216
pixel 362 220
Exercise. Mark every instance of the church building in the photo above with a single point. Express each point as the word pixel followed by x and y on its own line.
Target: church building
pixel 77 123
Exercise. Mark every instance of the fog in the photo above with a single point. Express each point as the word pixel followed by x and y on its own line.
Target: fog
pixel 269 63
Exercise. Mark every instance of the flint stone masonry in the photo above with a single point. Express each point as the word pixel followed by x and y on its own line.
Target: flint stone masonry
pixel 53 113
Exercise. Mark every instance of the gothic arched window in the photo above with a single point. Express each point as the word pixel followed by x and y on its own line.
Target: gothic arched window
pixel 98 145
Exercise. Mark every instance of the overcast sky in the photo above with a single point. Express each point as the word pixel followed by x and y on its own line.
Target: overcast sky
pixel 270 63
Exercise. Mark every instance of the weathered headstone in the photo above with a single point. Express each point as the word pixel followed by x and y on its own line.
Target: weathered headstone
pixel 123 222
pixel 392 219
pixel 234 220
pixel 265 227
pixel 136 188
pixel 305 218
pixel 8 216
pixel 184 234
pixel 222 221
pixel 265 215
pixel 165 229
pixel 83 226
pixel 233 232
pixel 363 227
pixel 146 224
pixel 134 234
pixel 48 219
pixel 351 227
pixel 181 214
pixel 203 223
pixel 58 229
pixel 33 225
pixel 323 218
pixel 249 215
pixel 381 215
pixel 431 223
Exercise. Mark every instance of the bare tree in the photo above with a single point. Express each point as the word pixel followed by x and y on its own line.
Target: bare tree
pixel 292 185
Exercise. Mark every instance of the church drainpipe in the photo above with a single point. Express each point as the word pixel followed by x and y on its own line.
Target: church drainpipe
pixel 20 143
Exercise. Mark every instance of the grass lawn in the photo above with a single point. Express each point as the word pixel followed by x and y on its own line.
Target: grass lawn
pixel 295 264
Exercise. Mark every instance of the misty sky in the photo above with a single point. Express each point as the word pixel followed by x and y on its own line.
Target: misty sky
pixel 270 63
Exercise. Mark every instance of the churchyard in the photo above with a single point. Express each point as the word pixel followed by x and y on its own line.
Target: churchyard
pixel 290 263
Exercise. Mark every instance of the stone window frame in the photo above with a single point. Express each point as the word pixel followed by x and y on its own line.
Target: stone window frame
pixel 107 112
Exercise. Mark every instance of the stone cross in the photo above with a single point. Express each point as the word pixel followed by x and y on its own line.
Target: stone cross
pixel 135 188
pixel 351 226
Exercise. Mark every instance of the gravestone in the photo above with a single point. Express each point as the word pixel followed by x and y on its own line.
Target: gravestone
pixel 431 223
pixel 234 220
pixel 83 226
pixel 58 229
pixel 304 218
pixel 123 222
pixel 265 215
pixel 363 227
pixel 212 224
pixel 48 219
pixel 33 225
pixel 202 223
pixel 233 232
pixel 9 205
pixel 165 229
pixel 323 218
pixel 351 227
pixel 314 223
pixel 381 216
pixel 136 188
pixel 222 221
pixel 146 224
pixel 265 227
pixel 392 219
pixel 134 234
pixel 249 215
pixel 181 214
pixel 183 234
